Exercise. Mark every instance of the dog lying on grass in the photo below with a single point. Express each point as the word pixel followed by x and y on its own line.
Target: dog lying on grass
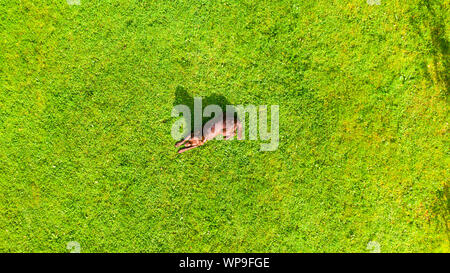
pixel 226 126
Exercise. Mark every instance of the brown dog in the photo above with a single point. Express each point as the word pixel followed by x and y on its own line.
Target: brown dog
pixel 212 129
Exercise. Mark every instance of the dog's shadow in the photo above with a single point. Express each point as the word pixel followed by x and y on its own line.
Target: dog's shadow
pixel 184 98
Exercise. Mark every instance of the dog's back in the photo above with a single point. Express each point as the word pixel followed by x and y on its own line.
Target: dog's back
pixel 222 125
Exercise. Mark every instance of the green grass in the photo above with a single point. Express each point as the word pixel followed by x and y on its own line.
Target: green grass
pixel 86 155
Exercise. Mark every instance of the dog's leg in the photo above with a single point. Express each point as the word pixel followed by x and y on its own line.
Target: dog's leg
pixel 181 142
pixel 230 136
pixel 185 149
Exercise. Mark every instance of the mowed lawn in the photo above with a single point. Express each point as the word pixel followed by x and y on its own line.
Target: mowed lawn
pixel 86 154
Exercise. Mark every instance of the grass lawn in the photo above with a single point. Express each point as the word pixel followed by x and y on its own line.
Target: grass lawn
pixel 86 155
